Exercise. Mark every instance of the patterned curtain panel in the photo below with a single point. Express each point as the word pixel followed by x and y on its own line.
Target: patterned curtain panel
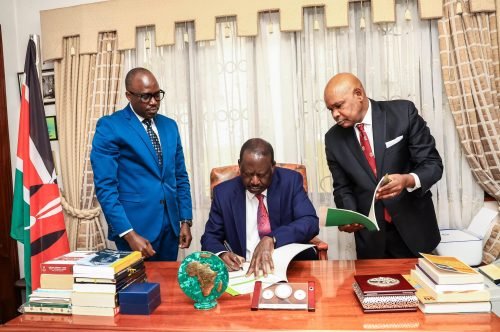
pixel 471 74
pixel 87 88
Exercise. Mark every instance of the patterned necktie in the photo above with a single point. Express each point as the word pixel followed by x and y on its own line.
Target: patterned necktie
pixel 154 140
pixel 263 223
pixel 367 150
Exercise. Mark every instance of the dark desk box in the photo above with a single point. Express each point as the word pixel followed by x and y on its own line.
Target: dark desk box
pixel 139 299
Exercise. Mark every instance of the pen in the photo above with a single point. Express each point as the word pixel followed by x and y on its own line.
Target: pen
pixel 228 248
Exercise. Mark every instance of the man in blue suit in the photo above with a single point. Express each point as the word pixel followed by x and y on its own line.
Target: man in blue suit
pixel 140 176
pixel 264 208
pixel 373 138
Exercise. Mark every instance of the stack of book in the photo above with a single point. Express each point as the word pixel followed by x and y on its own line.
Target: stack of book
pixel 385 293
pixel 56 285
pixel 447 285
pixel 491 274
pixel 98 279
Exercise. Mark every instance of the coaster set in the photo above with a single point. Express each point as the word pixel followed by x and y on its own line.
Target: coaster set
pixel 291 296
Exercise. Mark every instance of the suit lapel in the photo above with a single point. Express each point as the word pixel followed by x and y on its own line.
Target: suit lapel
pixel 239 213
pixel 273 200
pixel 378 120
pixel 139 130
pixel 355 148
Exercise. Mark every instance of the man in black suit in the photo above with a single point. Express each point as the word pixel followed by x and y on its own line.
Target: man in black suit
pixel 395 140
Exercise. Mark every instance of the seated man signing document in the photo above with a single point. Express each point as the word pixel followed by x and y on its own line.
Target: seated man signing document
pixel 264 208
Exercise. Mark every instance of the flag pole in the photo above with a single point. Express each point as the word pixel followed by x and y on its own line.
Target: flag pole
pixel 36 39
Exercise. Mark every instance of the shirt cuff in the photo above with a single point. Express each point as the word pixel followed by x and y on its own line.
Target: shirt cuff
pixel 220 253
pixel 126 232
pixel 417 183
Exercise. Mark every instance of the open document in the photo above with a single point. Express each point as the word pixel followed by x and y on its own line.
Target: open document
pixel 340 217
pixel 239 284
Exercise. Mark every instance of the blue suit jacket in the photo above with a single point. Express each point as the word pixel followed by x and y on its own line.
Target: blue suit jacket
pixel 292 215
pixel 130 186
pixel 354 182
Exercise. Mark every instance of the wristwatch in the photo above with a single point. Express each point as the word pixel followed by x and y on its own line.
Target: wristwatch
pixel 187 221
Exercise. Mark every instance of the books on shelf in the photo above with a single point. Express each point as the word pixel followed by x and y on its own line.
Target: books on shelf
pixel 460 296
pixel 384 293
pixel 105 263
pixel 448 270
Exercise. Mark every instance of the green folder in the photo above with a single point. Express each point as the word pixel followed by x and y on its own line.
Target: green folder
pixel 340 217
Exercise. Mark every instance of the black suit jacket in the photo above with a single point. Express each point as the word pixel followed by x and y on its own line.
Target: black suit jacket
pixel 354 183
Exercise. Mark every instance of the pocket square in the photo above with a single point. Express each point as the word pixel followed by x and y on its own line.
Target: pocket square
pixel 394 141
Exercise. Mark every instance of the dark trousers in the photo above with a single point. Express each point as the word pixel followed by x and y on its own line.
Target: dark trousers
pixel 395 247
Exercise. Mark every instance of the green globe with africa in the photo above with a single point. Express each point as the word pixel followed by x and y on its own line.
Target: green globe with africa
pixel 203 277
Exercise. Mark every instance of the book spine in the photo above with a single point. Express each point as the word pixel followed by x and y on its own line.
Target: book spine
pixel 53 268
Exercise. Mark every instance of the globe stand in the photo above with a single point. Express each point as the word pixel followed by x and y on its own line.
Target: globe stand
pixel 205 305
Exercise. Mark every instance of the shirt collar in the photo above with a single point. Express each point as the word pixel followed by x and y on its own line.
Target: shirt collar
pixel 138 116
pixel 250 196
pixel 367 120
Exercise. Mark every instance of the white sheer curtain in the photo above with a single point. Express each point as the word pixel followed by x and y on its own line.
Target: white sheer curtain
pixel 223 92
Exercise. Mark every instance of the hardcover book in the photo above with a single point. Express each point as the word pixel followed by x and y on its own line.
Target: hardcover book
pixel 138 277
pixel 105 263
pixel 383 284
pixel 119 276
pixel 429 304
pixel 386 303
pixel 63 264
pixel 95 311
pixel 47 308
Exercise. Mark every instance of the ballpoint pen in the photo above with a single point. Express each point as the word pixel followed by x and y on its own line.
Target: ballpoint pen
pixel 228 248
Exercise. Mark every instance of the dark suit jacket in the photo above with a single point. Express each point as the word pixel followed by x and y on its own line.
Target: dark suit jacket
pixel 354 183
pixel 130 186
pixel 292 215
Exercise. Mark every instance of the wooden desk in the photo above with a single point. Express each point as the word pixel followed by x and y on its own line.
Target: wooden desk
pixel 336 307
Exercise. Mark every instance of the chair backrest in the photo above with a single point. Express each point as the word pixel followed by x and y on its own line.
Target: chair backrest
pixel 224 173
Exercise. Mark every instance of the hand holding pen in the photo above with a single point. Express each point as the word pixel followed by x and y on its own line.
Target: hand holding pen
pixel 232 261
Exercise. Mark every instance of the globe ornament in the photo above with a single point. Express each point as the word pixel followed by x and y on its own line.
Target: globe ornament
pixel 203 277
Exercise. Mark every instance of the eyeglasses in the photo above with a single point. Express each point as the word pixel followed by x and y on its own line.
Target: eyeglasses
pixel 146 97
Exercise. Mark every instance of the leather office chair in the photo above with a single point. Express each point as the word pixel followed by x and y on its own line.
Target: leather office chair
pixel 224 173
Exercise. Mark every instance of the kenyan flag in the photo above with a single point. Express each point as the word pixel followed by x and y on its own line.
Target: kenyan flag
pixel 37 218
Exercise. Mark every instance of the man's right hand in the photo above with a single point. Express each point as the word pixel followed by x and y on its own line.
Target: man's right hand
pixel 232 261
pixel 351 228
pixel 138 243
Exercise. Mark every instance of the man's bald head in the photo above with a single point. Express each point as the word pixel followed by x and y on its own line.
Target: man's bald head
pixel 345 97
pixel 135 73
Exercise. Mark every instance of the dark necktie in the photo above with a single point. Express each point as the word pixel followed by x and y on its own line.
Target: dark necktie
pixel 154 140
pixel 263 223
pixel 367 150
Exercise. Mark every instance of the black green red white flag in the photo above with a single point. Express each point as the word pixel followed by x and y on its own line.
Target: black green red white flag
pixel 37 218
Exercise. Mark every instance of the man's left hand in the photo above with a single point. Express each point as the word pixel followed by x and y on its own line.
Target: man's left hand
pixel 398 182
pixel 185 236
pixel 262 260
